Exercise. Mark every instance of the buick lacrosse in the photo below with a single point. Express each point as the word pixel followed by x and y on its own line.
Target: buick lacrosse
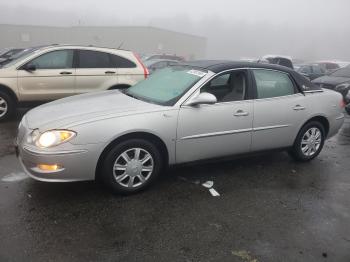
pixel 183 113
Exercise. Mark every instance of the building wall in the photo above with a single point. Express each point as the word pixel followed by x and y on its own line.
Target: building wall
pixel 140 39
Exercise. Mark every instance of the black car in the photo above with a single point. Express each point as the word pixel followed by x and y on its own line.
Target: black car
pixel 162 56
pixel 311 71
pixel 338 81
pixel 277 60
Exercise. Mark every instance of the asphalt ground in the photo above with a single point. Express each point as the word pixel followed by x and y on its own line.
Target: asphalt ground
pixel 270 208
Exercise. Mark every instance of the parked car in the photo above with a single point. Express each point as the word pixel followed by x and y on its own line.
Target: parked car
pixel 154 65
pixel 17 55
pixel 342 63
pixel 53 72
pixel 277 60
pixel 338 81
pixel 311 71
pixel 8 52
pixel 183 113
pixel 347 101
pixel 328 66
pixel 162 56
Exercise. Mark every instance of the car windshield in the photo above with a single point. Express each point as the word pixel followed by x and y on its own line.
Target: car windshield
pixel 166 86
pixel 21 55
pixel 343 72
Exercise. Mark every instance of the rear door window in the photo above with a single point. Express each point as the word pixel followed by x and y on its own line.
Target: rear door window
pixel 121 62
pixel 93 59
pixel 271 83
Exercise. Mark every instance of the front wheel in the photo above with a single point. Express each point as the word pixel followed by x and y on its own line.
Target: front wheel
pixel 309 142
pixel 131 166
pixel 7 106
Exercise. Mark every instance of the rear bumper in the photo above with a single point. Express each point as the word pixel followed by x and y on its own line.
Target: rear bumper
pixel 335 125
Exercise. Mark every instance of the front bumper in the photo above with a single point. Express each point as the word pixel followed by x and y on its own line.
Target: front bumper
pixel 74 165
pixel 76 162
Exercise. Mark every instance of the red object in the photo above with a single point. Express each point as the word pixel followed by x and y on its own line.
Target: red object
pixel 342 103
pixel 145 70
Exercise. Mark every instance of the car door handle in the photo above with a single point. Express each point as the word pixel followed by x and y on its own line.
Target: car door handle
pixel 66 73
pixel 109 72
pixel 298 108
pixel 241 113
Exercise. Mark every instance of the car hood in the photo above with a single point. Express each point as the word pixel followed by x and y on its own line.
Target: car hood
pixel 80 109
pixel 7 72
pixel 331 80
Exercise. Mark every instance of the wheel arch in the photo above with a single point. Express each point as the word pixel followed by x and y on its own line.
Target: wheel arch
pixel 158 142
pixel 321 119
pixel 119 86
pixel 9 91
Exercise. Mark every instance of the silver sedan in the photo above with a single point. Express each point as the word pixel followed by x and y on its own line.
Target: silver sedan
pixel 184 113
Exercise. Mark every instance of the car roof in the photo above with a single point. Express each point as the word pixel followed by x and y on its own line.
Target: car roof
pixel 217 66
pixel 277 56
pixel 79 46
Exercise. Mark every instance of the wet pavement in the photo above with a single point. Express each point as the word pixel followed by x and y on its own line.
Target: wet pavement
pixel 270 208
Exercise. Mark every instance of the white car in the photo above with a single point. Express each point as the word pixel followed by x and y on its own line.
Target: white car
pixel 57 71
pixel 183 113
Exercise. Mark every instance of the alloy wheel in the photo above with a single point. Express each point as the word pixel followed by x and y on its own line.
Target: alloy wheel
pixel 3 107
pixel 133 167
pixel 311 141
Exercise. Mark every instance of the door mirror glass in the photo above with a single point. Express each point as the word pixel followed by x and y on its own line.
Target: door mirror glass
pixel 202 99
pixel 29 67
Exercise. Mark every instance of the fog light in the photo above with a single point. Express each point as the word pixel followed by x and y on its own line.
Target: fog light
pixel 48 168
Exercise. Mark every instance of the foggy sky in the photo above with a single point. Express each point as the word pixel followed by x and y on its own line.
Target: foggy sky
pixel 310 29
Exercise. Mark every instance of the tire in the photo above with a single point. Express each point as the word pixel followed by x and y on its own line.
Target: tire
pixel 124 172
pixel 309 142
pixel 7 106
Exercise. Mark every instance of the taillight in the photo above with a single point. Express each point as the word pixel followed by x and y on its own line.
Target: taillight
pixel 145 70
pixel 342 103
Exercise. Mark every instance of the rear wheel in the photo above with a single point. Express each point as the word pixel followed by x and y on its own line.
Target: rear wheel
pixel 131 166
pixel 309 142
pixel 7 106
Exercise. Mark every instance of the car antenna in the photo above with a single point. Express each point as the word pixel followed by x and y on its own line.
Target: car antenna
pixel 121 44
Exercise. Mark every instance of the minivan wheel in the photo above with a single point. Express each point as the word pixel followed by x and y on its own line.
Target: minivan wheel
pixel 131 166
pixel 309 142
pixel 7 106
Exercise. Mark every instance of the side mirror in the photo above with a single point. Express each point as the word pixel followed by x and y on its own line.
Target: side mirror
pixel 29 67
pixel 202 99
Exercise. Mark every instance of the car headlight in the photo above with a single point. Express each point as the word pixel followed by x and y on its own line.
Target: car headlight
pixel 51 138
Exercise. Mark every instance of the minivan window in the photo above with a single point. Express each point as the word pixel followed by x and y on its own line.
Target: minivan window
pixel 271 83
pixel 59 59
pixel 121 62
pixel 93 59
